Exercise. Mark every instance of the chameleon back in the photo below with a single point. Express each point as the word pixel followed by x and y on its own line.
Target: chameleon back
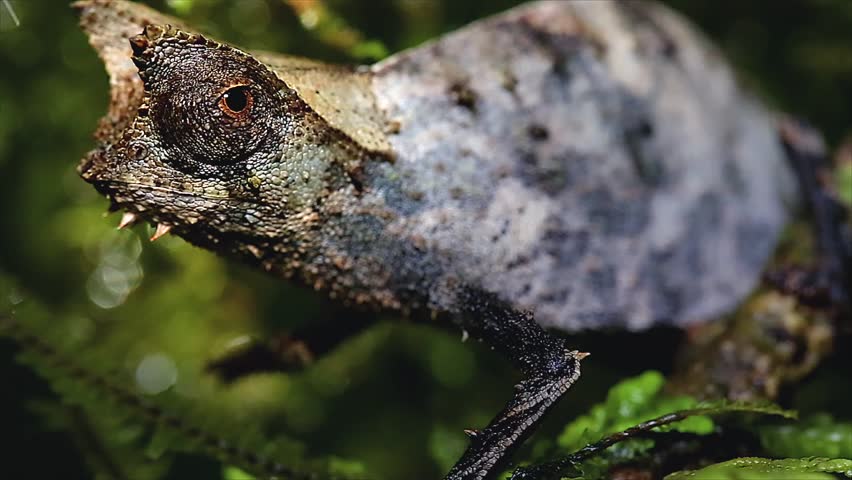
pixel 593 161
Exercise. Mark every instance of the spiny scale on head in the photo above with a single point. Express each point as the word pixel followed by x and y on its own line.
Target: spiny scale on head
pixel 128 219
pixel 162 230
pixel 145 45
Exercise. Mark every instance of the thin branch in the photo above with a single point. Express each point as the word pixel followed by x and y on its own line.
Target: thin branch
pixel 553 469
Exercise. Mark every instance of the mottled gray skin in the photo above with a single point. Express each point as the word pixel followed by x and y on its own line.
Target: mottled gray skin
pixel 606 171
pixel 593 161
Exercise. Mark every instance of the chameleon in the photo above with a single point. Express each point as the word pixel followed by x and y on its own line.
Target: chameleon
pixel 560 167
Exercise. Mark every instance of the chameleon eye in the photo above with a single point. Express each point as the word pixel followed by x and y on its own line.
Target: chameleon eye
pixel 236 101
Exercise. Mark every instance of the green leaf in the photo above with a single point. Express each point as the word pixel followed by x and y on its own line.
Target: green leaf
pixel 641 398
pixel 622 446
pixel 751 468
pixel 346 467
pixel 612 432
pixel 234 473
pixel 817 436
pixel 628 403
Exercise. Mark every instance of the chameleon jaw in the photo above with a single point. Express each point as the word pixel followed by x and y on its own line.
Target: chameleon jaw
pixel 130 219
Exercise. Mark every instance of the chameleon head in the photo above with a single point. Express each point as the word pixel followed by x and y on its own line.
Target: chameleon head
pixel 216 148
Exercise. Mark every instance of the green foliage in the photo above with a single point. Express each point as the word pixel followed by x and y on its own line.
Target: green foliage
pixel 618 429
pixel 817 436
pixel 752 468
pixel 234 473
pixel 132 429
pixel 109 443
pixel 629 403
pixel 332 29
pixel 640 399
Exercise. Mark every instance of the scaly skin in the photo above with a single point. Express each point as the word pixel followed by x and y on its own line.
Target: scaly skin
pixel 535 160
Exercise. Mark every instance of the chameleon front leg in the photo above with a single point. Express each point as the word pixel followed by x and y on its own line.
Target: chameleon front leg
pixel 549 367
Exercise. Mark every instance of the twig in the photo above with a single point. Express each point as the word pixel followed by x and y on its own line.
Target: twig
pixel 553 469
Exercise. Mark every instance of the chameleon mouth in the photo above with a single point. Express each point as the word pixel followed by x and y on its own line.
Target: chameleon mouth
pixel 129 219
pixel 90 168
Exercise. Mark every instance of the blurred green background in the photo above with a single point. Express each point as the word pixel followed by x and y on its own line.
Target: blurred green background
pixel 396 398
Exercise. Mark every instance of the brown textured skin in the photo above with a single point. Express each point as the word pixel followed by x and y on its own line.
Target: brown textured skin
pixel 593 161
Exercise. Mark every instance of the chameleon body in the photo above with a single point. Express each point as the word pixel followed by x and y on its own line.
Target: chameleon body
pixel 593 162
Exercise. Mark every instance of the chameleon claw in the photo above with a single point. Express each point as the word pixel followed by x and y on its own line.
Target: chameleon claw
pixel 162 229
pixel 127 220
pixel 471 433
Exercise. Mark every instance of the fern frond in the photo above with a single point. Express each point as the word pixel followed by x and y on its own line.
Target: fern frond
pixel 170 423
